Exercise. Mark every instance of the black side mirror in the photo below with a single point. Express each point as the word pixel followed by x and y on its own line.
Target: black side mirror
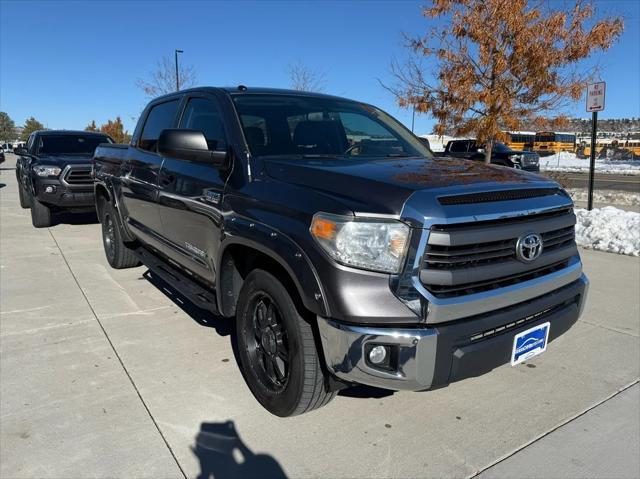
pixel 20 151
pixel 188 145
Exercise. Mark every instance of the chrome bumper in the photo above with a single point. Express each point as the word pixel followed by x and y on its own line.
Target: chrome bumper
pixel 433 356
pixel 344 346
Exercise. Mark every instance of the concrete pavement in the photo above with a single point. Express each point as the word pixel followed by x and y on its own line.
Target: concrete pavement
pixel 103 374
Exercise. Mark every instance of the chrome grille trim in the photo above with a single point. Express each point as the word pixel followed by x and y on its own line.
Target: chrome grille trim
pixel 77 176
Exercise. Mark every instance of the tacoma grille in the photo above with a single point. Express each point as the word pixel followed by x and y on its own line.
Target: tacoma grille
pixel 473 257
pixel 79 175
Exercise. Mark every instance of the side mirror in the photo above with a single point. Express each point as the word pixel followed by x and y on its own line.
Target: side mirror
pixel 188 145
pixel 20 151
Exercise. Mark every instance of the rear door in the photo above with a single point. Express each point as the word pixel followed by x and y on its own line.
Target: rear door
pixel 190 193
pixel 140 173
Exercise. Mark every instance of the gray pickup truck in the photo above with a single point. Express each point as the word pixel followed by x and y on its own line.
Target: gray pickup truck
pixel 341 249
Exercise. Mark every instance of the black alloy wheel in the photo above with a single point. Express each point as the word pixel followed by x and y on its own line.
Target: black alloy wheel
pixel 268 344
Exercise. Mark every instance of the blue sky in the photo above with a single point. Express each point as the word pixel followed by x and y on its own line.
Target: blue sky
pixel 68 63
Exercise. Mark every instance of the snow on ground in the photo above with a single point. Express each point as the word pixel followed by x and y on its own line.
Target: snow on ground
pixel 609 229
pixel 612 197
pixel 569 162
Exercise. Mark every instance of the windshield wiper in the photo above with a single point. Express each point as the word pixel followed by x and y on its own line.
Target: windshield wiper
pixel 398 155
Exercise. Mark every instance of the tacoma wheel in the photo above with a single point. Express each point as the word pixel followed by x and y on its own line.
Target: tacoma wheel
pixel 40 214
pixel 119 255
pixel 25 199
pixel 277 350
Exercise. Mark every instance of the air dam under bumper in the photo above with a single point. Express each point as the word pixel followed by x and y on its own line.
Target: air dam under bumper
pixel 431 357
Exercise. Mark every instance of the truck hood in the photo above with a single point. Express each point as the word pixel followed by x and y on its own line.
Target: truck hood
pixel 383 186
pixel 64 160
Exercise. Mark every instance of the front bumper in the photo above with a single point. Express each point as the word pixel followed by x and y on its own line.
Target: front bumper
pixel 431 357
pixel 54 192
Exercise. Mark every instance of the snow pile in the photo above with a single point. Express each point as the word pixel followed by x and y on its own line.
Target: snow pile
pixel 569 162
pixel 609 229
pixel 612 197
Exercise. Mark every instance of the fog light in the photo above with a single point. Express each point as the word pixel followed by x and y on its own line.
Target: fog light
pixel 378 354
pixel 50 189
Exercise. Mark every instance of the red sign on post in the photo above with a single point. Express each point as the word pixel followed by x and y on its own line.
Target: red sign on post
pixel 595 96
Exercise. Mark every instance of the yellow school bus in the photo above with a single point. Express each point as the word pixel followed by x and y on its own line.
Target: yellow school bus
pixel 633 146
pixel 550 142
pixel 519 140
pixel 616 149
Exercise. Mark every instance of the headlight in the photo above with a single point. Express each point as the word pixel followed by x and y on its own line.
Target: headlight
pixel 44 170
pixel 367 243
pixel 515 158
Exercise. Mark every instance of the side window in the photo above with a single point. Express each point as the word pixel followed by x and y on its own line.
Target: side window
pixel 204 115
pixel 458 146
pixel 160 117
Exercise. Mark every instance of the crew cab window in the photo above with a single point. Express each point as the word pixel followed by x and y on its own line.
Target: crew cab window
pixel 204 115
pixel 458 146
pixel 160 118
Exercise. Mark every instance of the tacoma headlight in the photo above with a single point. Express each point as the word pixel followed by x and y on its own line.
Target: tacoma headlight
pixel 515 158
pixel 45 170
pixel 367 243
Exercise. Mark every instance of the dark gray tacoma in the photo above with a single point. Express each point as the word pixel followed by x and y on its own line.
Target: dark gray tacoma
pixel 342 250
pixel 54 172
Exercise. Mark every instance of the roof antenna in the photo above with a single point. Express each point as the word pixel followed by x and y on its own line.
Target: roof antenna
pixel 242 88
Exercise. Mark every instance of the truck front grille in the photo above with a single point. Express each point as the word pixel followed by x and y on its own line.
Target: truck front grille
pixel 469 258
pixel 79 175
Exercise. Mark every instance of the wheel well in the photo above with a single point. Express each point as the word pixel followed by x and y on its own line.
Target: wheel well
pixel 102 198
pixel 237 262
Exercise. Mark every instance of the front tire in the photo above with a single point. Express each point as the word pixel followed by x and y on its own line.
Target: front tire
pixel 25 199
pixel 118 254
pixel 278 356
pixel 40 214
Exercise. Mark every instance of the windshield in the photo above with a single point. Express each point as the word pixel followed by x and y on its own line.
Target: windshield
pixel 70 144
pixel 302 126
pixel 497 146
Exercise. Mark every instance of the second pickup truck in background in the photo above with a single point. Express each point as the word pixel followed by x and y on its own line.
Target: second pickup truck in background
pixel 54 172
pixel 500 155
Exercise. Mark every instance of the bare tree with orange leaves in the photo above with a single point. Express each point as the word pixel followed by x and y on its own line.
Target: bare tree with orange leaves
pixel 500 63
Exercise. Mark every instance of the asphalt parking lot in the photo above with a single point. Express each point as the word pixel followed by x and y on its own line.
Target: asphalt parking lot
pixel 107 373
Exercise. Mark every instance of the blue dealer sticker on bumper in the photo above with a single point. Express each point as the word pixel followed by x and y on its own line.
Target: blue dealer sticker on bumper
pixel 529 343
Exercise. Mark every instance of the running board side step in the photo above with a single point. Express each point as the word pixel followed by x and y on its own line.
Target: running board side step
pixel 187 287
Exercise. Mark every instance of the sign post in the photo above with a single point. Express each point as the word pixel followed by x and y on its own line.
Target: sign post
pixel 595 103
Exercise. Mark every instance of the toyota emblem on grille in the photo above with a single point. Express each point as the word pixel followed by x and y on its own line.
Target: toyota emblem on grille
pixel 529 247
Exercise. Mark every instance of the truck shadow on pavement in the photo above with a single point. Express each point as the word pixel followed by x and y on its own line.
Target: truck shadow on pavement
pixel 222 454
pixel 224 327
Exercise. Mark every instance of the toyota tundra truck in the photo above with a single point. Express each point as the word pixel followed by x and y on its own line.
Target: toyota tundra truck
pixel 54 172
pixel 343 252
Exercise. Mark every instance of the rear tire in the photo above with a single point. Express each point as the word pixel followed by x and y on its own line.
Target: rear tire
pixel 40 214
pixel 118 254
pixel 25 199
pixel 277 350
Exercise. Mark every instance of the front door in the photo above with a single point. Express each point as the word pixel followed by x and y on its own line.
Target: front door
pixel 190 193
pixel 141 171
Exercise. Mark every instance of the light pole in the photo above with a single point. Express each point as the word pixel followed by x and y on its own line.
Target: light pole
pixel 177 75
